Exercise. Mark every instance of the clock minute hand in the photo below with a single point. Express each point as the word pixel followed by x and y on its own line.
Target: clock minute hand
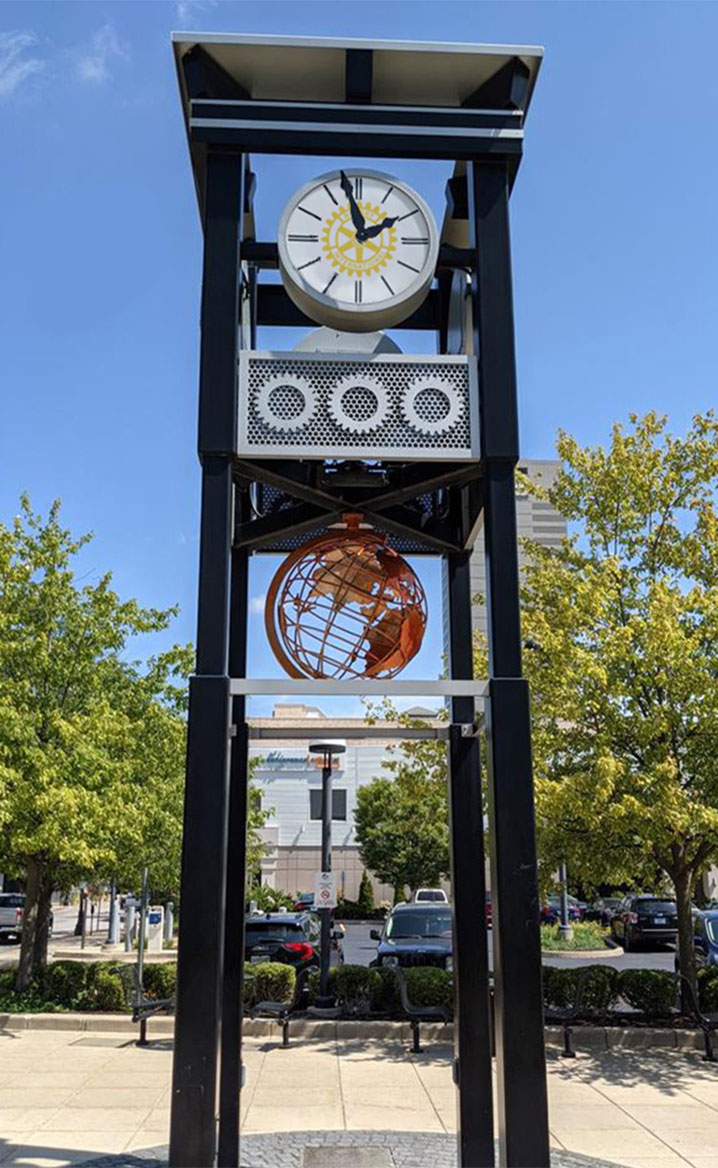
pixel 357 218
pixel 377 228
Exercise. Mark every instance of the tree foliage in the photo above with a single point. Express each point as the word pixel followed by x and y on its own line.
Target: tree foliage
pixel 623 621
pixel 91 745
pixel 401 818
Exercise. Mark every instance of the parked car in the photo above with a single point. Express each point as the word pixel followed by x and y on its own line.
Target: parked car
pixel 639 919
pixel 705 939
pixel 12 908
pixel 290 938
pixel 430 895
pixel 603 909
pixel 488 910
pixel 551 910
pixel 304 902
pixel 415 934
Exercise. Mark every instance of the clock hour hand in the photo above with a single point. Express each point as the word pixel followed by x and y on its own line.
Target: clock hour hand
pixel 357 218
pixel 376 229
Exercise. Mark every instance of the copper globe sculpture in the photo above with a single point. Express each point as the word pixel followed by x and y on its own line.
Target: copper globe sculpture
pixel 345 605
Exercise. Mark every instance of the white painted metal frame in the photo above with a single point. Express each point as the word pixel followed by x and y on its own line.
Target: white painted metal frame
pixel 355 687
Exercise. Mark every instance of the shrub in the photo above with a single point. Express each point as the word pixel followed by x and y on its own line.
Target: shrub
pixel 311 983
pixel 160 981
pixel 708 989
pixel 586 935
pixel 652 991
pixel 353 910
pixel 356 987
pixel 427 986
pixel 248 986
pixel 273 982
pixel 103 992
pixel 598 993
pixel 365 899
pixel 385 992
pixel 270 899
pixel 64 983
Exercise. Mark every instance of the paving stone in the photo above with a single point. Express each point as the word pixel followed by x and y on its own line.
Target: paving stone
pixel 346 1158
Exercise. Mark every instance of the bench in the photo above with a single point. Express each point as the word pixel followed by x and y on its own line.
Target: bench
pixel 565 1015
pixel 281 1012
pixel 134 994
pixel 418 1014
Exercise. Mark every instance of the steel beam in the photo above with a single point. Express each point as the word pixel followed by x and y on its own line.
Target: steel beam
pixel 520 1058
pixel 193 1136
pixel 472 1033
pixel 230 1083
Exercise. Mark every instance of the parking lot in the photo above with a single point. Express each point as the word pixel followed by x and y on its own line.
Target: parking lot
pixel 359 949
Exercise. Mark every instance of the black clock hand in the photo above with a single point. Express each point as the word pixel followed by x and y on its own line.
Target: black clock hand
pixel 376 229
pixel 357 218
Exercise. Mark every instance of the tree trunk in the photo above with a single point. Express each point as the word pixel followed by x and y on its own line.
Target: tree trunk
pixel 33 886
pixel 686 954
pixel 42 932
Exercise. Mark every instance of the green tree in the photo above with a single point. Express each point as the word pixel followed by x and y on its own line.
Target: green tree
pixel 91 745
pixel 365 899
pixel 623 621
pixel 401 821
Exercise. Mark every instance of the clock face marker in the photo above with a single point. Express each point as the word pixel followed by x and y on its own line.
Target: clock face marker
pixel 359 187
pixel 386 196
pixel 306 212
pixel 413 239
pixel 305 238
pixel 326 287
pixel 357 292
pixel 391 290
pixel 409 266
pixel 331 196
pixel 309 263
pixel 409 214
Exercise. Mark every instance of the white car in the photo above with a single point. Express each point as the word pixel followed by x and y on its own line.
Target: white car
pixel 435 895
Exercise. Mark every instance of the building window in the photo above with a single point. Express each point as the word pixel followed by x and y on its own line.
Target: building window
pixel 339 804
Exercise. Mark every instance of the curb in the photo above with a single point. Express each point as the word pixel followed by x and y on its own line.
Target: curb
pixel 587 1038
pixel 592 953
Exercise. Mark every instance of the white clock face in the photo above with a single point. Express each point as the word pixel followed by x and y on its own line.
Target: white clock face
pixel 357 248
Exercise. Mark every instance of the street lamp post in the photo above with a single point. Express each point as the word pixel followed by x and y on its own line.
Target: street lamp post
pixel 327 750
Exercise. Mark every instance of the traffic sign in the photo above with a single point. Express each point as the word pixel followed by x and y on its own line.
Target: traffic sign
pixel 324 890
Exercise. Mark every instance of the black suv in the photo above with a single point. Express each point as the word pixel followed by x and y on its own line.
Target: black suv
pixel 644 918
pixel 415 934
pixel 291 938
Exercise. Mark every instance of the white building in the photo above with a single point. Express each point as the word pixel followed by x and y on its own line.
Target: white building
pixel 291 778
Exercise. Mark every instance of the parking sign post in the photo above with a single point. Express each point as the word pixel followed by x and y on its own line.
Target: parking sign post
pixel 324 894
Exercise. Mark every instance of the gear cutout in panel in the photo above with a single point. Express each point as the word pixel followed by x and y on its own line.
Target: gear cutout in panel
pixel 358 404
pixel 431 406
pixel 286 403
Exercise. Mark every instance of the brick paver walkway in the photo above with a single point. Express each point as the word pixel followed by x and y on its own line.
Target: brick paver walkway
pixel 67 1098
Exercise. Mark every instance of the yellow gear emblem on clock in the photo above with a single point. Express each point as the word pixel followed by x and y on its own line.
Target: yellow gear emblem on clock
pixel 340 246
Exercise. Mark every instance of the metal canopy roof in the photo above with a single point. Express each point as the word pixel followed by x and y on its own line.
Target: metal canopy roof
pixel 274 68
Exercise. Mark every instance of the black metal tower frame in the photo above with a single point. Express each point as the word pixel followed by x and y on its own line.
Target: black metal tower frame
pixel 207 1074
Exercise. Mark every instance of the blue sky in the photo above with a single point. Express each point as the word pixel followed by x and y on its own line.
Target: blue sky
pixel 613 222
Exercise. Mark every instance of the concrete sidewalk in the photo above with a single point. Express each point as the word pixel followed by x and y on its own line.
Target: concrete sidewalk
pixel 66 1097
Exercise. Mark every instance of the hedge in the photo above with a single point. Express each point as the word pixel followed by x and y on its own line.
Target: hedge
pixel 160 981
pixel 708 989
pixel 599 990
pixel 273 982
pixel 652 991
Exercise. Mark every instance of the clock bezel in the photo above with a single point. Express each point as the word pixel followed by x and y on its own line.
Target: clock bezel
pixel 352 317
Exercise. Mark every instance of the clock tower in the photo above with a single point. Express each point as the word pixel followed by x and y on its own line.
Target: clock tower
pixel 415 452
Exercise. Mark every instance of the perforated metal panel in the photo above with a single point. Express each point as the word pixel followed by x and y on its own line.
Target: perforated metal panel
pixel 337 406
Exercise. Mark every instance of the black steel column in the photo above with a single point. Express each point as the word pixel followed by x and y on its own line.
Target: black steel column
pixel 472 1033
pixel 521 1070
pixel 201 936
pixel 230 1082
